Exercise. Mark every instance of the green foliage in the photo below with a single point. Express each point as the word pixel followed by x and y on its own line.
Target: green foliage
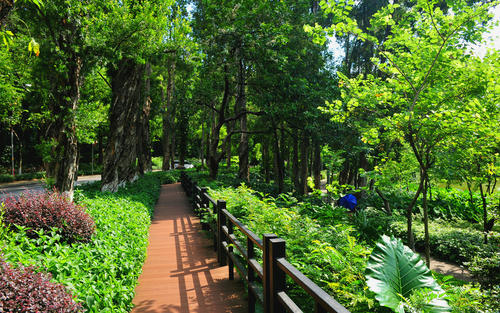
pixel 454 243
pixel 321 247
pixel 86 169
pixel 446 203
pixel 102 273
pixel 7 178
pixel 485 266
pixel 400 278
pixel 329 255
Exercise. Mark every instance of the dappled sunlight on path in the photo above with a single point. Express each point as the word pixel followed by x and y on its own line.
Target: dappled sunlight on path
pixel 181 273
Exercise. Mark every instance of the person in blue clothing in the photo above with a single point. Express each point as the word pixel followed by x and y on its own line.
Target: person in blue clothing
pixel 349 202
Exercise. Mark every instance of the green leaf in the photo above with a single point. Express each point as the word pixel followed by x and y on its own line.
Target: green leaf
pixel 394 273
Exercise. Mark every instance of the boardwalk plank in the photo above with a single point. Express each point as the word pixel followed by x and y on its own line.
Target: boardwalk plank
pixel 181 274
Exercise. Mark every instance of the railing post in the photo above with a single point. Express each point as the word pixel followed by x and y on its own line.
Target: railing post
pixel 193 191
pixel 221 236
pixel 251 275
pixel 204 208
pixel 266 267
pixel 318 308
pixel 230 251
pixel 278 277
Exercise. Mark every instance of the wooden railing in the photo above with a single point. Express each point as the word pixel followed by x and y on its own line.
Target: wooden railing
pixel 267 282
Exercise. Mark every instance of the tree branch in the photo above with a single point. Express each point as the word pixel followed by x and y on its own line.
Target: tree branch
pixel 105 80
pixel 239 115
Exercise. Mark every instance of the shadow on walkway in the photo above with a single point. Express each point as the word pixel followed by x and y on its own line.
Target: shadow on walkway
pixel 181 273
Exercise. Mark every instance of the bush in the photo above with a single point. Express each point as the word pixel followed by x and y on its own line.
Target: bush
pixel 44 211
pixel 450 243
pixel 486 268
pixel 168 177
pixel 30 176
pixel 328 255
pixel 103 272
pixel 86 169
pixel 24 290
pixel 6 178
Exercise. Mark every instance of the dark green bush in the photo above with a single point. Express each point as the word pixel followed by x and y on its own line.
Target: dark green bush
pixel 6 178
pixel 445 203
pixel 86 169
pixel 486 268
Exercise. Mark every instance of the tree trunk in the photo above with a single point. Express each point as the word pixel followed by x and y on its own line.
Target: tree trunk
pixel 121 151
pixel 363 163
pixel 485 212
pixel 168 117
pixel 5 8
pixel 471 198
pixel 243 172
pixel 387 204
pixel 183 126
pixel 304 148
pixel 426 222
pixel 317 165
pixel 295 164
pixel 214 157
pixel 64 167
pixel 145 163
pixel 278 161
pixel 409 215
pixel 265 160
pixel 203 145
pixel 229 145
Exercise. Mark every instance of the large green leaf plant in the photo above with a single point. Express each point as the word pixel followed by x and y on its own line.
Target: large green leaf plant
pixel 401 280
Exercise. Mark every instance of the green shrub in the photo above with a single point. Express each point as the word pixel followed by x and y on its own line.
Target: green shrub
pixel 447 242
pixel 486 268
pixel 329 255
pixel 86 169
pixel 168 177
pixel 445 203
pixel 102 273
pixel 30 176
pixel 6 178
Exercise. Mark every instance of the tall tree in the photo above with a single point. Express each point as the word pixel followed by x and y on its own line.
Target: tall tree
pixel 58 25
pixel 142 25
pixel 423 60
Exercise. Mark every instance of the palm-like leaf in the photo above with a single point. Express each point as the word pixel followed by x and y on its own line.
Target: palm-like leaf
pixel 394 272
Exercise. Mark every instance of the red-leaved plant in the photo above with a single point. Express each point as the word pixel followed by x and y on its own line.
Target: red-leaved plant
pixel 24 290
pixel 45 210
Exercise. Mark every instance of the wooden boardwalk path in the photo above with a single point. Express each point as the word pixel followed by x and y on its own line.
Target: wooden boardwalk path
pixel 181 273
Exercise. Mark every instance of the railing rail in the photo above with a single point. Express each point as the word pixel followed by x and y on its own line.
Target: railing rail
pixel 267 281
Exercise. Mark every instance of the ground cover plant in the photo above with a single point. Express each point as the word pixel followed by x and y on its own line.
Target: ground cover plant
pixel 102 272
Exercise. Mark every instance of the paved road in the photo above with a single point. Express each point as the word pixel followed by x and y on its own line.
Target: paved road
pixel 17 188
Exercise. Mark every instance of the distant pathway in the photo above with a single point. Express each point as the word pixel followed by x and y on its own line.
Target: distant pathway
pixel 181 273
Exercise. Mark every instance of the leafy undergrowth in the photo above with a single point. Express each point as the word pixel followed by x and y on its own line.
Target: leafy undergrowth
pixel 102 273
pixel 321 242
